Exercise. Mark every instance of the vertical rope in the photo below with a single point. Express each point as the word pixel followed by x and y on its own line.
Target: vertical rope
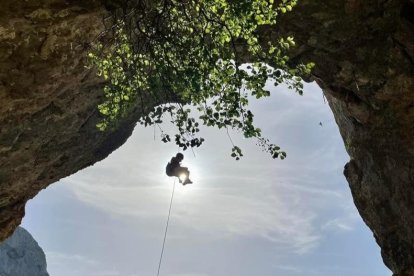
pixel 166 229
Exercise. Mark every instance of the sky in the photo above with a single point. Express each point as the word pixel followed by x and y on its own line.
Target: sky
pixel 256 216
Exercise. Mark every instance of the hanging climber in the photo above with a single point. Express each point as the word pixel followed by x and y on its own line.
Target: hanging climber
pixel 174 169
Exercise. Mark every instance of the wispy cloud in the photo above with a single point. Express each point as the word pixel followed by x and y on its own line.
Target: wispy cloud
pixel 277 201
pixel 55 258
pixel 62 263
pixel 188 274
pixel 288 268
pixel 252 217
pixel 346 222
pixel 279 213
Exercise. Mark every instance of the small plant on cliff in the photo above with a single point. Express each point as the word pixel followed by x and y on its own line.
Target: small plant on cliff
pixel 172 52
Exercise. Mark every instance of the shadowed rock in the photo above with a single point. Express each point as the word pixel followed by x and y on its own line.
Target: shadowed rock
pixel 20 255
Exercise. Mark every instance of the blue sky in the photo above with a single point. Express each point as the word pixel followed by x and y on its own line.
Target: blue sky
pixel 257 216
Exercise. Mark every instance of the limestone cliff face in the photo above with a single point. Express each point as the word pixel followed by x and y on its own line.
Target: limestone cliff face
pixel 48 99
pixel 364 51
pixel 45 95
pixel 21 255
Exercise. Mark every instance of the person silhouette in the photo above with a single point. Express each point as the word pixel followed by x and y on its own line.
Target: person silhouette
pixel 174 169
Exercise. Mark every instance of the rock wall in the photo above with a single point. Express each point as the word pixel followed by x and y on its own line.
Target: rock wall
pixel 364 51
pixel 48 99
pixel 20 255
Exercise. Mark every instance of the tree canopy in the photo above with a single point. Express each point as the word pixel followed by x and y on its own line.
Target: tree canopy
pixel 193 52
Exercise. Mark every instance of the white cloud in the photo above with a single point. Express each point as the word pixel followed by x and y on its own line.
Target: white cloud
pixel 188 274
pixel 275 210
pixel 288 268
pixel 338 223
pixel 276 200
pixel 75 264
pixel 346 222
pixel 58 258
pixel 222 212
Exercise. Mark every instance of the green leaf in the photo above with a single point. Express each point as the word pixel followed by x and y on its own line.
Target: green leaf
pixel 187 56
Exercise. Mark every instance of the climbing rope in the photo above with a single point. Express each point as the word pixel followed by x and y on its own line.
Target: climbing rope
pixel 166 229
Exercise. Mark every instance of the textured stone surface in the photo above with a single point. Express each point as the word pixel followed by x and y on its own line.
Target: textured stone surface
pixel 48 99
pixel 364 51
pixel 45 93
pixel 20 255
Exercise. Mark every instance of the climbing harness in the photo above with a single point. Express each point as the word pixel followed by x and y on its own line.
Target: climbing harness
pixel 166 230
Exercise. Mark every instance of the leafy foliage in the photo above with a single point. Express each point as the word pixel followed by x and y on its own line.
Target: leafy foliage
pixel 179 52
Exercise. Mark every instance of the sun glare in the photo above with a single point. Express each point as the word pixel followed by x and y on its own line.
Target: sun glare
pixel 183 177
